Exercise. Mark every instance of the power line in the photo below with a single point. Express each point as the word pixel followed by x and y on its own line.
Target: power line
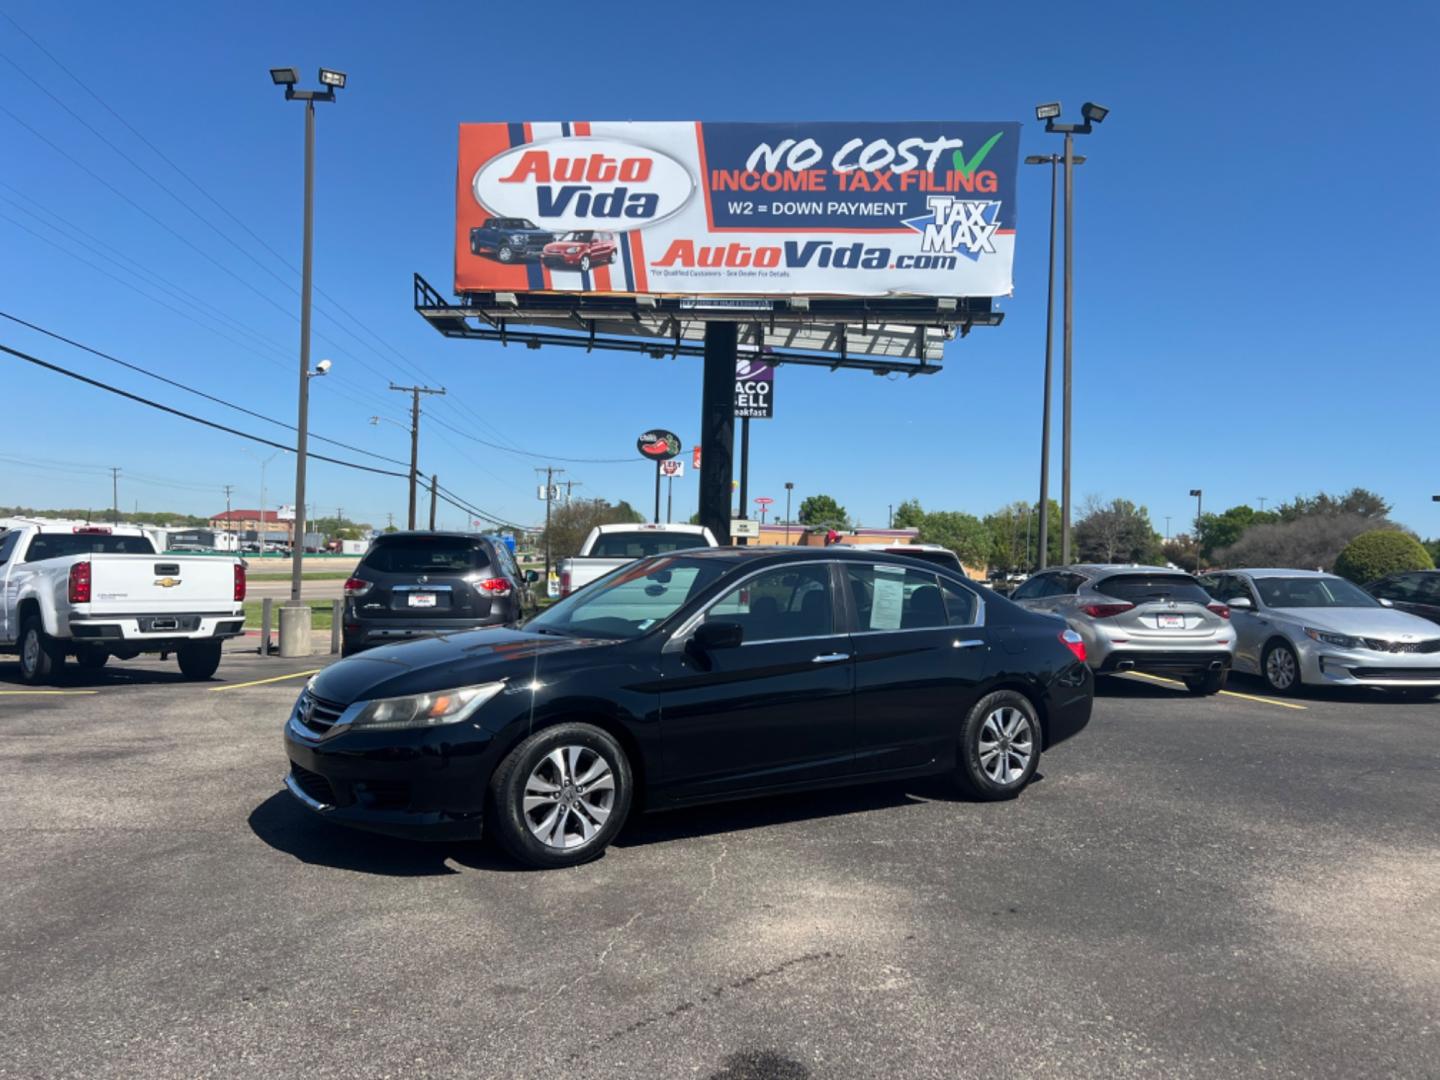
pixel 527 454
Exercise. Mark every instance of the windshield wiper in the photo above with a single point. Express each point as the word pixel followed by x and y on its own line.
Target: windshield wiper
pixel 551 630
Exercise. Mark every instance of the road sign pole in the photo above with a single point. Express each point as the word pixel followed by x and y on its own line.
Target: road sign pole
pixel 717 427
pixel 669 497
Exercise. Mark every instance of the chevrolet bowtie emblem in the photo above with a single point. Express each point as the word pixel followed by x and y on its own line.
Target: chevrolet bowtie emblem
pixel 167 582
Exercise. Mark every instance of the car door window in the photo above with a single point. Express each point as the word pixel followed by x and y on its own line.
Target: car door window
pixel 1403 587
pixel 962 606
pixel 776 605
pixel 1429 590
pixel 7 545
pixel 894 598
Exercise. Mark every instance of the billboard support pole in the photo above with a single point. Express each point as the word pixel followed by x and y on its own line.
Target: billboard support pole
pixel 717 427
pixel 669 498
pixel 656 518
pixel 744 468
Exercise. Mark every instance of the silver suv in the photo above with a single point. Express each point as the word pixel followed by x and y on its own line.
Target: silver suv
pixel 1139 618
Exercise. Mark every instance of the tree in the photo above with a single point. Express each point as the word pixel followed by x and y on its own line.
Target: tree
pixel 1381 552
pixel 908 515
pixel 1117 531
pixel 1014 535
pixel 1359 502
pixel 1433 547
pixel 1182 550
pixel 964 534
pixel 1221 530
pixel 1310 542
pixel 822 511
pixel 571 522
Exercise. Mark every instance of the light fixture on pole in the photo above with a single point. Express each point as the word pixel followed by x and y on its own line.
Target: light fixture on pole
pixel 1198 496
pixel 295 615
pixel 1093 114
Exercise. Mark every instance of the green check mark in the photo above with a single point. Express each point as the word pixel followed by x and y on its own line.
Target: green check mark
pixel 969 169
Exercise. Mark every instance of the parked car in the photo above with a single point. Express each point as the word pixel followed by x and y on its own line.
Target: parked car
pixel 931 553
pixel 1417 593
pixel 609 546
pixel 581 250
pixel 685 678
pixel 509 240
pixel 1299 628
pixel 412 584
pixel 1139 618
pixel 93 592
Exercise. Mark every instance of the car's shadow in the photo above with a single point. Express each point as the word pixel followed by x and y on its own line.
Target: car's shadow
pixel 288 827
pixel 74 677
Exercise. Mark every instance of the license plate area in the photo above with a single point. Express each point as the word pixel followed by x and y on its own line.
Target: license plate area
pixel 1170 622
pixel 422 599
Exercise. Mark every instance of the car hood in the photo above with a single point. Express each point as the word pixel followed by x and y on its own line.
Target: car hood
pixel 1363 622
pixel 444 662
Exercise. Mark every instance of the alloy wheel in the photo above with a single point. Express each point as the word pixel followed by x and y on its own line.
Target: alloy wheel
pixel 568 797
pixel 1006 745
pixel 30 654
pixel 1280 668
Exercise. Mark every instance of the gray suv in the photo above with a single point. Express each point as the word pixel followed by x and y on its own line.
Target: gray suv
pixel 1139 618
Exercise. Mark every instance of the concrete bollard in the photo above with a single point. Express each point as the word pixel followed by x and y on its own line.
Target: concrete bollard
pixel 295 630
pixel 334 627
pixel 266 623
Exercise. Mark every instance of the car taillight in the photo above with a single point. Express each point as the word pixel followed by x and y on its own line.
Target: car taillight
pixel 1075 643
pixel 1223 610
pixel 357 586
pixel 1105 611
pixel 80 583
pixel 564 582
pixel 497 585
pixel 239 582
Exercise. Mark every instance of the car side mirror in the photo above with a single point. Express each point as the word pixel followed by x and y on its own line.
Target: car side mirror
pixel 1386 603
pixel 717 635
pixel 532 576
pixel 1240 603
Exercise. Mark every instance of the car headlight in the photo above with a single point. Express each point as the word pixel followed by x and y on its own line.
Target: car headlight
pixel 1340 641
pixel 424 710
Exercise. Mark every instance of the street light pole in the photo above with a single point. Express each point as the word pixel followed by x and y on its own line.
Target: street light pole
pixel 295 616
pixel 1199 495
pixel 789 487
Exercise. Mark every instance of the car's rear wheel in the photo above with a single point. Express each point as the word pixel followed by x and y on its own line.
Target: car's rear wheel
pixel 199 659
pixel 91 658
pixel 505 254
pixel 1206 683
pixel 40 659
pixel 999 746
pixel 1281 668
pixel 559 798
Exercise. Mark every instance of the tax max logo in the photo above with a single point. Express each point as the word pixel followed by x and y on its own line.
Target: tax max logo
pixel 958 226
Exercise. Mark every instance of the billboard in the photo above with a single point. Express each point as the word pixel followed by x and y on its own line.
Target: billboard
pixel 872 208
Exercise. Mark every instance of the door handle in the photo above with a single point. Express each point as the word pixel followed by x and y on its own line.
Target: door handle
pixel 830 658
pixel 973 643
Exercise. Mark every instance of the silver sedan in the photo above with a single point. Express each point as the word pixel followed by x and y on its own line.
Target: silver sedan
pixel 1299 628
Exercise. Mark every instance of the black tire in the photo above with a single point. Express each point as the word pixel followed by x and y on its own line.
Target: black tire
pixel 1415 693
pixel 198 659
pixel 511 824
pixel 40 659
pixel 991 714
pixel 1273 673
pixel 506 254
pixel 584 264
pixel 91 658
pixel 1206 683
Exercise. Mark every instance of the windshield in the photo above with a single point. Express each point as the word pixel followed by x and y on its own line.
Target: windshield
pixel 629 601
pixel 584 236
pixel 63 545
pixel 1312 592
pixel 640 543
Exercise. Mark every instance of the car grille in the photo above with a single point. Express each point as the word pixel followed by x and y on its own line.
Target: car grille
pixel 313 784
pixel 1408 674
pixel 383 794
pixel 1381 645
pixel 317 714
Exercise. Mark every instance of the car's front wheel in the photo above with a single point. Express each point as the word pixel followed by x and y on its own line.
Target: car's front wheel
pixel 505 254
pixel 1281 668
pixel 559 798
pixel 584 264
pixel 999 746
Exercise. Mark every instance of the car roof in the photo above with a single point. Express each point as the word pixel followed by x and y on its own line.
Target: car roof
pixel 410 534
pixel 1280 571
pixel 649 526
pixel 779 552
pixel 1108 569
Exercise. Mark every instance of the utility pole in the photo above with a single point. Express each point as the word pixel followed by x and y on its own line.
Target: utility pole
pixel 115 492
pixel 390 519
pixel 550 472
pixel 1263 500
pixel 1167 526
pixel 229 524
pixel 891 525
pixel 415 392
pixel 434 487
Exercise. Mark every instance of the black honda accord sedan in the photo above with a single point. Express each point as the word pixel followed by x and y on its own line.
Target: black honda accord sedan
pixel 709 674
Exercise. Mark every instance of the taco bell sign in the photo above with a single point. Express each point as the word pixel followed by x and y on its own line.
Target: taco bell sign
pixel 754 389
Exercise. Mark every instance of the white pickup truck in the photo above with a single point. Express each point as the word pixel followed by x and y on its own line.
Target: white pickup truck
pixel 611 546
pixel 93 592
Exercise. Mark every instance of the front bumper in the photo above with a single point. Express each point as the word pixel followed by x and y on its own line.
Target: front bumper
pixel 425 784
pixel 1324 665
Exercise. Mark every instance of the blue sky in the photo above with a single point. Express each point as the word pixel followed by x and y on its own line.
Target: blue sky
pixel 1255 239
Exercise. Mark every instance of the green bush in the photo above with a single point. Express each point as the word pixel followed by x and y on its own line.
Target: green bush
pixel 1376 554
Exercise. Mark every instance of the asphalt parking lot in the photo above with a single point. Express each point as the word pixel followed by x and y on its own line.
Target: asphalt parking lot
pixel 1193 888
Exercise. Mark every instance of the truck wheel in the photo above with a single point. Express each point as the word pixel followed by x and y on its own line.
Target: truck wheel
pixel 505 254
pixel 199 659
pixel 91 658
pixel 40 660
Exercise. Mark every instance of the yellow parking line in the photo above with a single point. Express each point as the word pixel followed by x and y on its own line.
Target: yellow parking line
pixel 1227 693
pixel 262 682
pixel 43 693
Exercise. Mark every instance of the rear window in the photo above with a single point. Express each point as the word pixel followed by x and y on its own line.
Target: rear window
pixel 638 544
pixel 1143 588
pixel 425 555
pixel 62 545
